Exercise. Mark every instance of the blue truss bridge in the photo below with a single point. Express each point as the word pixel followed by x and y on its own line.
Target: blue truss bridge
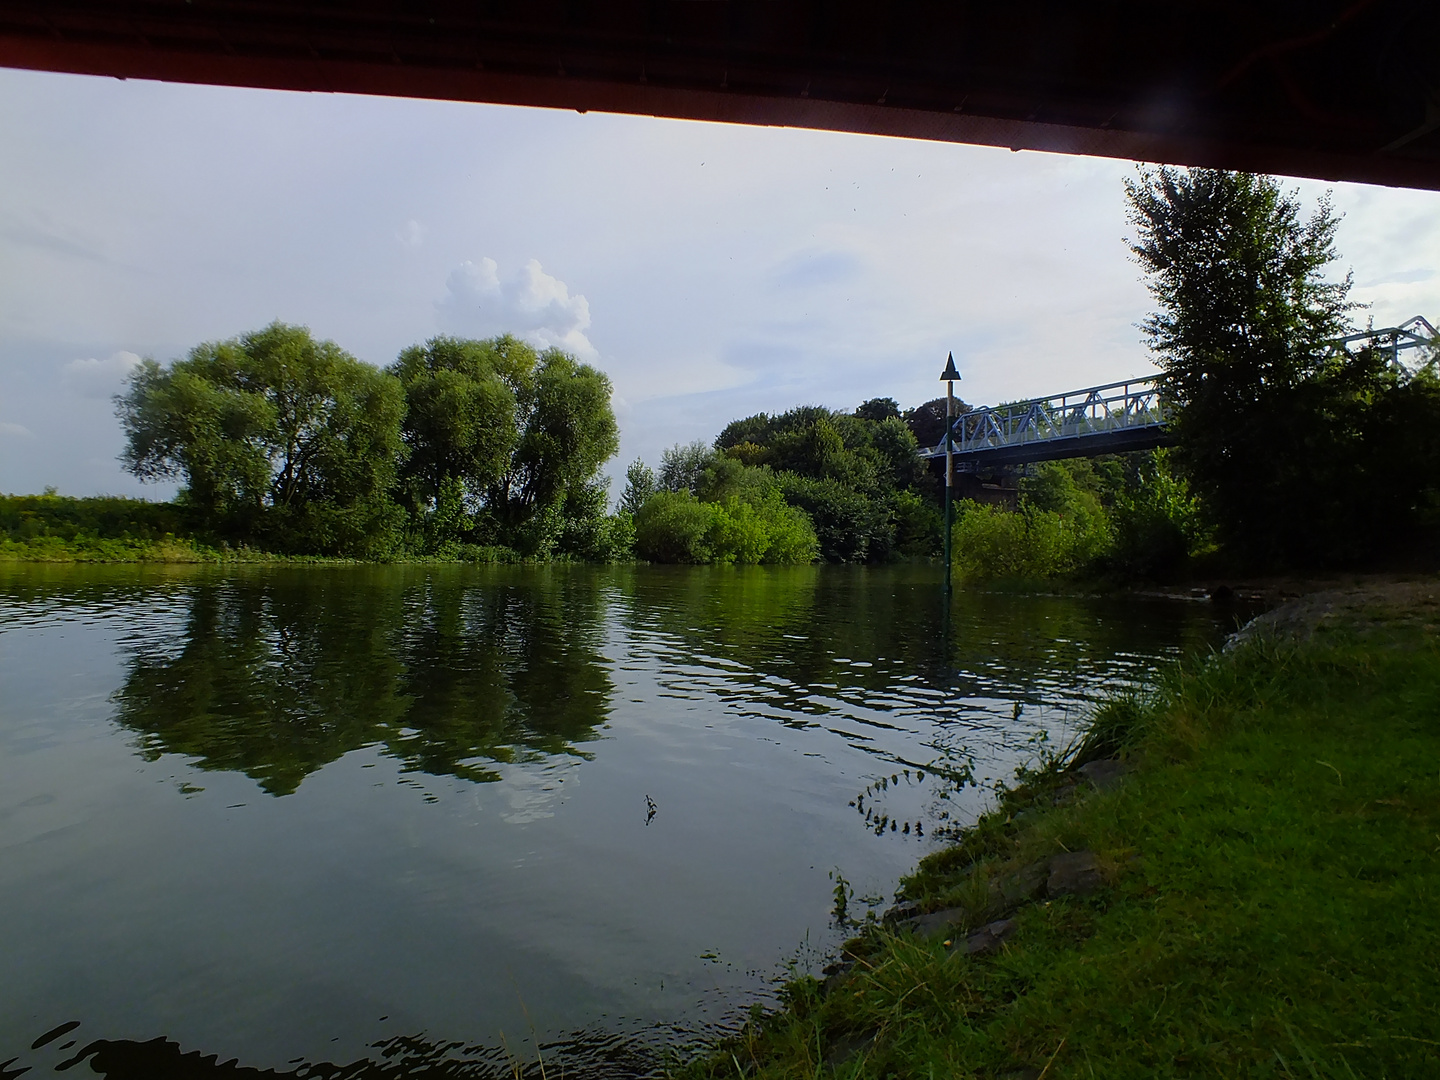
pixel 1121 416
pixel 1109 419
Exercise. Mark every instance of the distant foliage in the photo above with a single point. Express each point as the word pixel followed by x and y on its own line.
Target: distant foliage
pixel 879 410
pixel 640 484
pixel 856 475
pixel 927 422
pixel 681 467
pixel 57 528
pixel 31 517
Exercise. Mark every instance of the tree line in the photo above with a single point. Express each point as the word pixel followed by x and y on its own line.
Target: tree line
pixel 1289 451
pixel 808 483
pixel 458 449
pixel 491 450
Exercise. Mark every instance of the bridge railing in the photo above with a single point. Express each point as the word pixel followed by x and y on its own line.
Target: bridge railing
pixel 1096 410
pixel 1415 336
pixel 1135 404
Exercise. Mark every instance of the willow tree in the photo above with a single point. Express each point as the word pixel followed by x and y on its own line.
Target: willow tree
pixel 502 439
pixel 459 426
pixel 275 437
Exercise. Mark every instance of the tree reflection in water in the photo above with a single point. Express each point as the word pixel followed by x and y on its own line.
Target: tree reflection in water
pixel 455 672
pixel 594 1054
pixel 277 676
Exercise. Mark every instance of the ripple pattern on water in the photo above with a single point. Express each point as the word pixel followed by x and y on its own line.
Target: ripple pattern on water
pixel 252 811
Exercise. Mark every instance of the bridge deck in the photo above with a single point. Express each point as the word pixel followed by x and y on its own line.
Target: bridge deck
pixel 1108 419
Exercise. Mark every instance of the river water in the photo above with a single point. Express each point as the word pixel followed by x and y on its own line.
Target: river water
pixel 392 817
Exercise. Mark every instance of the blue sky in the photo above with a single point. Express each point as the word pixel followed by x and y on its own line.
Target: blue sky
pixel 712 271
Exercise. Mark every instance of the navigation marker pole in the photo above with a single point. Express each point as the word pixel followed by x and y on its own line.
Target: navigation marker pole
pixel 949 375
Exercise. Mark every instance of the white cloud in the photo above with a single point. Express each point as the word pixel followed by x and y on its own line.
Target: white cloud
pixel 17 431
pixel 531 305
pixel 92 378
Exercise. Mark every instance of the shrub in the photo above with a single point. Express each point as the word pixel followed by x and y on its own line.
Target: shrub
pixel 674 527
pixel 792 537
pixel 918 525
pixel 678 528
pixel 851 526
pixel 1157 522
pixel 991 542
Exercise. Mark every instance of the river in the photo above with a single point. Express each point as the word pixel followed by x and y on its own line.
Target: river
pixel 388 816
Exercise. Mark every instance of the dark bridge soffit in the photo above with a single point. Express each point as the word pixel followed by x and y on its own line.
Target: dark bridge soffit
pixel 1331 89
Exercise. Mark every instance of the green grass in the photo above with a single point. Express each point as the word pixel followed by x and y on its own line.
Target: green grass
pixel 1273 907
pixel 51 528
pixel 88 548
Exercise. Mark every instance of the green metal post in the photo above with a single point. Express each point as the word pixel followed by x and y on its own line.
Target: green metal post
pixel 949 375
pixel 949 475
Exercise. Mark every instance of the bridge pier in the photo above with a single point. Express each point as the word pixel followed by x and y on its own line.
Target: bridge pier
pixel 997 486
pixel 1000 487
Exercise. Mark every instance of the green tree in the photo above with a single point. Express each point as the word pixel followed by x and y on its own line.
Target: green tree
pixel 681 467
pixel 878 409
pixel 857 475
pixel 460 404
pixel 1245 312
pixel 566 432
pixel 640 484
pixel 505 445
pixel 274 435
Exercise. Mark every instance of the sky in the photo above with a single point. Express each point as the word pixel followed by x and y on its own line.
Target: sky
pixel 711 271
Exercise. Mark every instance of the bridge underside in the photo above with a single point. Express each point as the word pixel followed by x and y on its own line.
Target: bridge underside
pixel 1090 445
pixel 1334 89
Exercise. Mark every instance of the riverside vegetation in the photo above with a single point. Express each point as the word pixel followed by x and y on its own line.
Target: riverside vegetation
pixel 1289 452
pixel 1255 896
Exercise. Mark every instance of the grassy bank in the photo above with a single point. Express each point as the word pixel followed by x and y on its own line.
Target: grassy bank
pixel 51 528
pixel 1256 896
pixel 55 528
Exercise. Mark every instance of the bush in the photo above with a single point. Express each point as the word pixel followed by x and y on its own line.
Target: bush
pixel 29 517
pixel 676 527
pixel 792 537
pixel 851 526
pixel 918 525
pixel 991 542
pixel 1157 522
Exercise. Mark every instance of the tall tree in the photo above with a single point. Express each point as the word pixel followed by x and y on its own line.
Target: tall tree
pixel 566 432
pixel 1245 314
pixel 274 434
pixel 505 444
pixel 459 424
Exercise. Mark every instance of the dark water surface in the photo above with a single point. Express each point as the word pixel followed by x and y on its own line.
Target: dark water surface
pixel 399 815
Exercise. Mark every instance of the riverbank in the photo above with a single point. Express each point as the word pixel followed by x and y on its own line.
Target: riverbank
pixel 1234 876
pixel 185 551
pixel 51 528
